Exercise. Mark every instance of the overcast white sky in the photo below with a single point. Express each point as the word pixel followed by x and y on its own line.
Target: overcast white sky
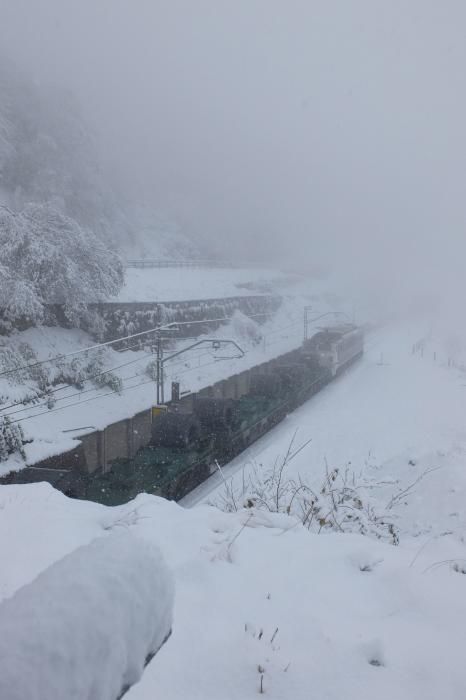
pixel 297 128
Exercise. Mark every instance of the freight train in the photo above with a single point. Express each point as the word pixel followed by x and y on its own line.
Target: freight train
pixel 189 436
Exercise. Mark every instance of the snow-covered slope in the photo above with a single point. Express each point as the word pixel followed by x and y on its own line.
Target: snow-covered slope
pixel 258 601
pixel 394 418
pixel 180 284
pixel 121 613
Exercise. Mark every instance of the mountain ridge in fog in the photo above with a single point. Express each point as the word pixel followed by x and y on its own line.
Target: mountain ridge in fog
pixel 48 155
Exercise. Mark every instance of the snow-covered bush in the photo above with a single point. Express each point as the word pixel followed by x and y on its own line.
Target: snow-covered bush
pixel 11 439
pixel 95 372
pixel 245 328
pixel 86 626
pixel 38 373
pixel 341 503
pixel 12 359
pixel 48 258
pixel 110 380
pixel 39 381
pixel 85 367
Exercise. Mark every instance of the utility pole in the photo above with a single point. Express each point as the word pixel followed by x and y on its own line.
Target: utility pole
pixel 306 321
pixel 159 368
pixel 215 343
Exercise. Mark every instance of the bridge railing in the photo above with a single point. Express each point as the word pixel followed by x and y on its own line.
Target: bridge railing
pixel 179 263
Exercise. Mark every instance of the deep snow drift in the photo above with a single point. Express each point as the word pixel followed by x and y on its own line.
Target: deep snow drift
pixel 86 625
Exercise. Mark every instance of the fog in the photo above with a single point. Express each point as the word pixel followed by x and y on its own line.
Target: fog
pixel 303 133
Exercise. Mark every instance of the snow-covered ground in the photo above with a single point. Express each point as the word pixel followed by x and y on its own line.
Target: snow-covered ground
pixel 118 573
pixel 392 417
pixel 259 596
pixel 167 284
pixel 329 616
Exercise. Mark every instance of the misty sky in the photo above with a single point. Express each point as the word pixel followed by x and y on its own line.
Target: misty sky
pixel 289 128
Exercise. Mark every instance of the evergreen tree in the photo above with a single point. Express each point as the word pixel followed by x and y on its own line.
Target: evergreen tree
pixel 11 439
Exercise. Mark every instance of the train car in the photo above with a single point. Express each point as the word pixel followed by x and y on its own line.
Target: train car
pixel 336 347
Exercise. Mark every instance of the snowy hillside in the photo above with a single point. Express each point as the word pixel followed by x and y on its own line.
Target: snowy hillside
pixel 167 284
pixel 49 156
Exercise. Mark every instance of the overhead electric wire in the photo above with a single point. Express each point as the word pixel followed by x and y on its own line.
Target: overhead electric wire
pixel 165 326
pixel 283 328
pixel 93 376
pixel 43 400
pixel 94 398
pixel 79 393
pixel 81 350
pixel 71 396
pixel 77 403
pixel 151 381
pixel 65 385
pixel 216 320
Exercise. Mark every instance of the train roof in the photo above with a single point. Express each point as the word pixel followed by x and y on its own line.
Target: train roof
pixel 341 329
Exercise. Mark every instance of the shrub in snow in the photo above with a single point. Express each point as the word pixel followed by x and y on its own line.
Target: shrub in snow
pixel 11 439
pixel 14 358
pixel 76 372
pixel 86 367
pixel 340 504
pixel 86 626
pixel 70 372
pixel 110 380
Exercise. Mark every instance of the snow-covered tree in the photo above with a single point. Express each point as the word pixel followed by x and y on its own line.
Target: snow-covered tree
pixel 48 258
pixel 11 439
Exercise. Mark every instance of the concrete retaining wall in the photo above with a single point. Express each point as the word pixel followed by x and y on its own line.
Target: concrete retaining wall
pixel 121 319
pixel 123 439
pixel 140 431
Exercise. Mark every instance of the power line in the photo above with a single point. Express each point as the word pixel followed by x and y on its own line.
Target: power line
pixel 110 393
pixel 215 320
pixel 70 384
pixel 70 396
pixel 78 403
pixel 166 326
pixel 197 355
pixel 85 391
pixel 77 352
pixel 94 398
pixel 283 328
